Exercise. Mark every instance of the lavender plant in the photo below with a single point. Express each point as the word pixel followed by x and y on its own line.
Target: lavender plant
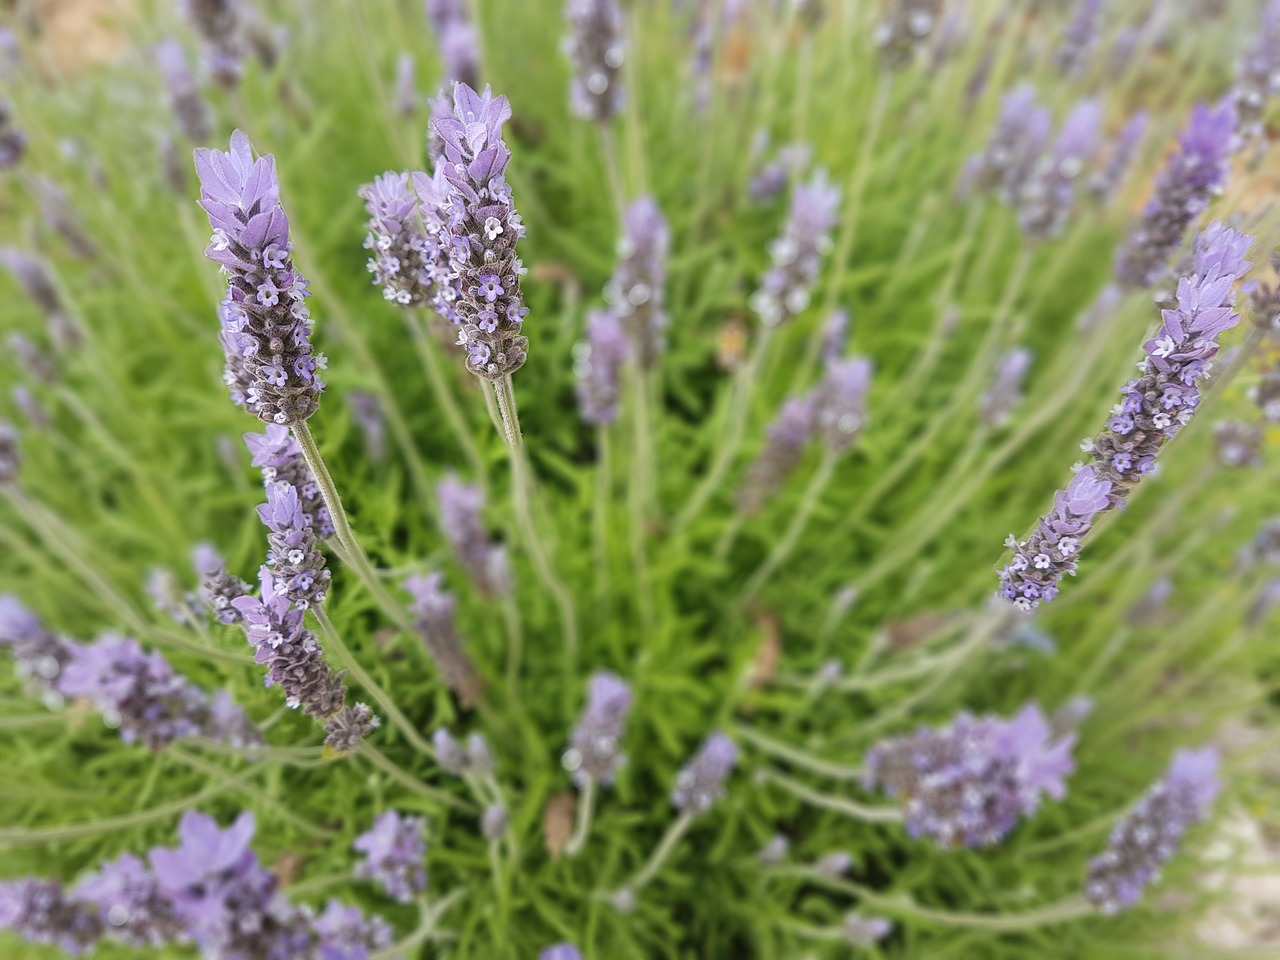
pixel 681 641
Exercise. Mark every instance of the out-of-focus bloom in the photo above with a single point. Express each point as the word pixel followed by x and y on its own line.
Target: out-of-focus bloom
pixel 59 216
pixel 1079 37
pixel 1238 444
pixel 32 409
pixel 167 595
pixel 10 457
pixel 461 523
pixel 785 441
pixel 276 453
pixel 294 553
pixel 218 587
pixel 776 850
pixel 265 320
pixel 1259 73
pixel 189 107
pixel 598 364
pixel 13 142
pixel 456 39
pixel 480 232
pixel 493 822
pixel 479 758
pixel 561 951
pixel 773 177
pixel 40 911
pixel 343 932
pixel 1005 391
pixel 129 904
pixel 863 931
pixel 31 359
pixel 596 46
pixel 905 29
pixel 1150 835
pixel 1047 197
pixel 636 291
pixel 840 402
pixel 218 24
pixel 1152 603
pixel 33 276
pixel 1266 600
pixel 366 410
pixel 834 864
pixel 700 783
pixel 450 754
pixel 395 853
pixel 835 335
pixel 433 610
pixel 407 99
pixel 1012 153
pixel 39 655
pixel 594 746
pixel 1192 175
pixel 1155 406
pixel 797 254
pixel 1264 548
pixel 401 257
pixel 969 783
pixel 1103 185
pixel 10 54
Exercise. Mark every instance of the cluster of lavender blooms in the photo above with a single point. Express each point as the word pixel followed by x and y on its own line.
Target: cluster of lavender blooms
pixel 182 606
pixel 210 892
pixel 460 522
pixel 1183 189
pixel 1238 444
pixel 136 691
pixel 797 254
pixel 597 363
pixel 37 283
pixel 277 454
pixel 905 29
pixel 218 588
pixel 456 39
pixel 218 23
pixel 1012 151
pixel 1079 38
pixel 402 258
pixel 596 46
pixel 1142 842
pixel 636 291
pixel 394 855
pixel 294 555
pixel 266 325
pixel 1155 406
pixel 13 142
pixel 1047 197
pixel 968 784
pixel 1103 185
pixel 840 402
pixel 1005 392
pixel 366 411
pixel 700 783
pixel 772 178
pixel 189 107
pixel 594 754
pixel 1259 76
pixel 433 610
pixel 479 229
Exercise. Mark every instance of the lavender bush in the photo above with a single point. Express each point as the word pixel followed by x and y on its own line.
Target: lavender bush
pixel 531 485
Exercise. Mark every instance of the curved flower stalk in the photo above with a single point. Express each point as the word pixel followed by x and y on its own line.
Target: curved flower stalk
pixel 1104 184
pixel 265 320
pixel 1190 178
pixel 1149 836
pixel 13 142
pixel 457 40
pixel 969 784
pixel 1258 79
pixel 594 754
pixel 395 855
pixel 1079 38
pixel 1155 406
pixel 796 255
pixel 636 291
pixel 1005 392
pixel 904 31
pixel 218 24
pixel 433 610
pixel 189 107
pixel 598 362
pixel 480 230
pixel 596 46
pixel 1046 199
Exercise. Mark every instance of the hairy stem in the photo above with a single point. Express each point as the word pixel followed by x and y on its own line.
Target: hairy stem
pixel 582 823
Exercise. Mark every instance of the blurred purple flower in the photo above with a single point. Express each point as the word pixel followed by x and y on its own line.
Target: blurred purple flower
pixel 594 753
pixel 796 255
pixel 700 783
pixel 598 364
pixel 394 855
pixel 596 46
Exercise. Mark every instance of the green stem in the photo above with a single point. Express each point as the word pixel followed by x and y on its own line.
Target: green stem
pixel 515 640
pixel 841 805
pixel 638 494
pixel 799 758
pixel 600 524
pixel 406 779
pixel 418 325
pixel 665 848
pixel 582 823
pixel 430 918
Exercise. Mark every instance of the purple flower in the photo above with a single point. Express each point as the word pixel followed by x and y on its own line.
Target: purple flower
pixel 1047 197
pixel 406 87
pixel 39 656
pixel 218 587
pixel 344 933
pixel 294 554
pixel 39 911
pixel 785 441
pixel 218 24
pixel 450 754
pixel 167 595
pixel 366 411
pixel 772 178
pixel 462 525
pixel 1191 176
pixel 401 256
pixel 458 42
pixel 598 364
pixel 835 336
pixel 129 904
pixel 1238 444
pixel 840 402
pixel 1014 150
pixel 905 29
pixel 1150 834
pixel 433 610
pixel 561 951
pixel 1005 391
pixel 1259 73
pixel 970 782
pixel 394 855
pixel 797 254
pixel 10 457
pixel 493 822
pixel 834 864
pixel 635 292
pixel 594 753
pixel 596 46
pixel 1079 37
pixel 37 283
pixel 863 931
pixel 276 453
pixel 480 230
pixel 13 142
pixel 1103 185
pixel 700 783
pixel 189 107
pixel 267 335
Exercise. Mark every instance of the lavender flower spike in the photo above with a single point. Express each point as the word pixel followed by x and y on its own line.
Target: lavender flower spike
pixel 457 40
pixel 598 364
pixel 1047 198
pixel 1103 185
pixel 635 292
pixel 593 754
pixel 1149 836
pixel 969 783
pixel 1192 175
pixel 433 610
pixel 864 931
pixel 905 29
pixel 561 951
pixel 701 782
pixel 129 903
pixel 40 911
pixel 294 556
pixel 797 254
pixel 1010 159
pixel 39 655
pixel 218 24
pixel 480 232
pixel 1259 76
pixel 841 402
pixel 276 453
pixel 265 315
pixel 1005 391
pixel 1079 38
pixel 401 259
pixel 406 87
pixel 10 458
pixel 189 107
pixel 37 283
pixel 13 142
pixel 785 441
pixel 597 48
pixel 463 527
pixel 218 587
pixel 394 855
